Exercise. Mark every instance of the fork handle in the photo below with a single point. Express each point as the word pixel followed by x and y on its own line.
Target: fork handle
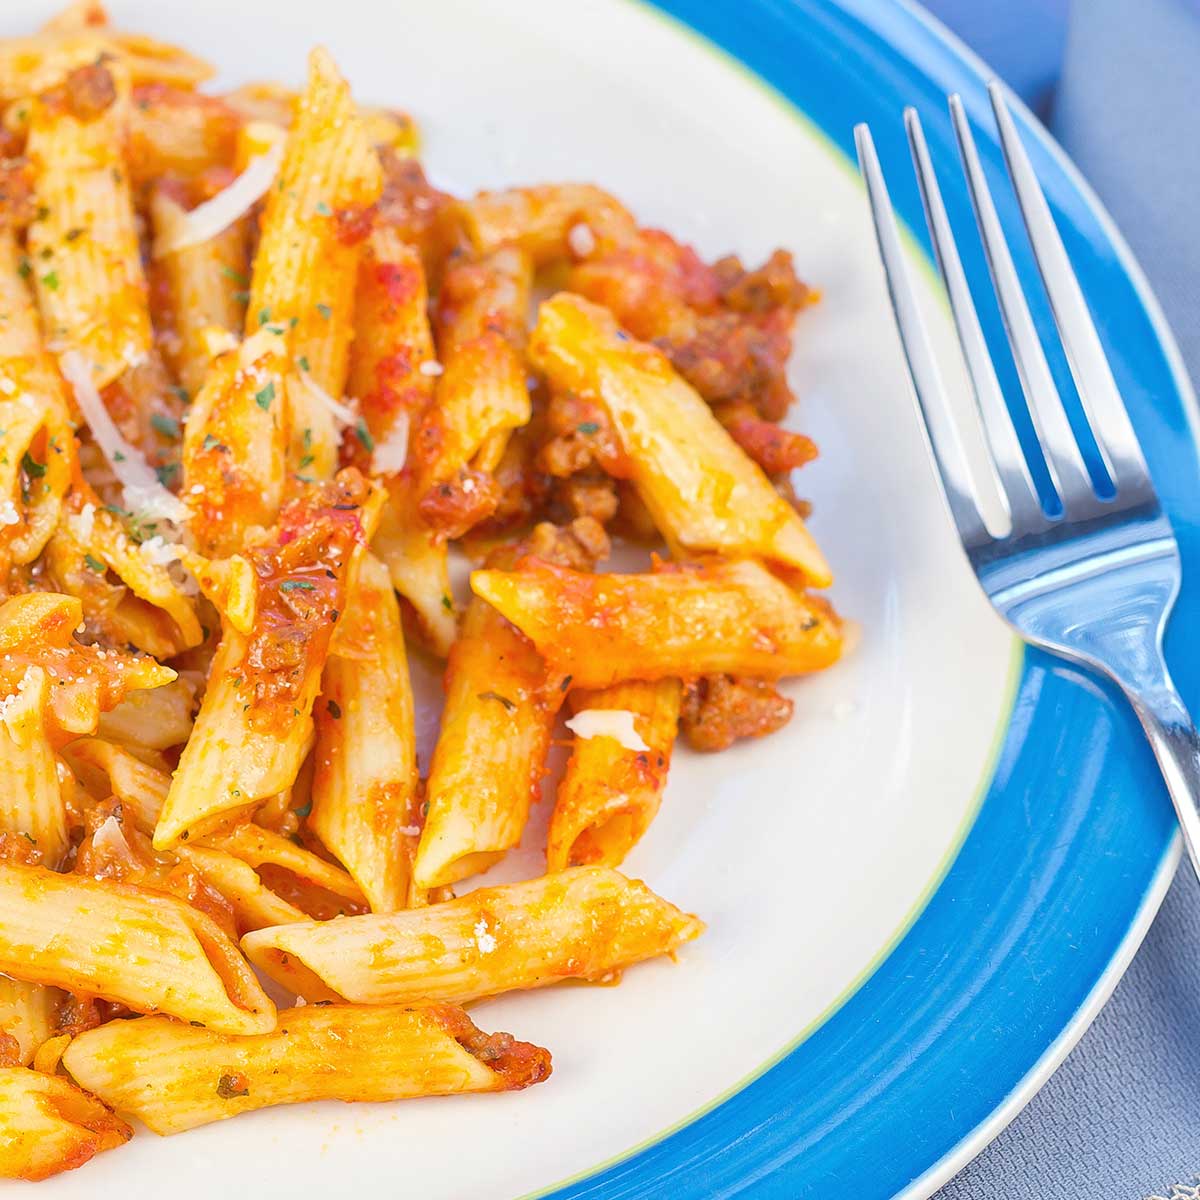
pixel 1176 745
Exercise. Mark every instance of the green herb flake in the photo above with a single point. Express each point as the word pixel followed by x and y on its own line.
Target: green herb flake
pixel 72 234
pixel 335 709
pixel 166 473
pixel 241 297
pixel 227 1086
pixel 167 426
pixel 24 267
pixel 32 468
pixel 508 704
pixel 94 564
pixel 302 363
pixel 50 279
pixel 181 394
pixel 264 397
pixel 297 585
pixel 447 603
pixel 264 316
pixel 303 810
pixel 324 209
pixel 234 274
pixel 325 311
pixel 211 442
pixel 587 427
pixel 364 435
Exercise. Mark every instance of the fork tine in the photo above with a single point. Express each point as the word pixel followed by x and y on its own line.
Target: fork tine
pixel 941 431
pixel 1115 436
pixel 1023 506
pixel 1063 459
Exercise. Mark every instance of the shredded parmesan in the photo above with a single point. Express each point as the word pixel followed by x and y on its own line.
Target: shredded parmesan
pixel 8 387
pixel 430 367
pixel 15 709
pixel 392 453
pixel 410 830
pixel 110 839
pixel 262 342
pixel 144 494
pixel 484 940
pixel 616 723
pixel 160 552
pixel 214 216
pixel 343 414
pixel 9 514
pixel 86 522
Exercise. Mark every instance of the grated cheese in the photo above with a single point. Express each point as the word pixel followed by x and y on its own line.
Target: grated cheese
pixel 343 414
pixel 160 552
pixel 484 940
pixel 9 514
pixel 616 723
pixel 392 453
pixel 110 838
pixel 8 387
pixel 144 494
pixel 429 367
pixel 214 216
pixel 86 522
pixel 411 830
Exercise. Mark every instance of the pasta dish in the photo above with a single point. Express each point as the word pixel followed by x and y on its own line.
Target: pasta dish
pixel 261 382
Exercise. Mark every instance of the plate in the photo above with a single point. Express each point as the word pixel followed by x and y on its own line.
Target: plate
pixel 920 892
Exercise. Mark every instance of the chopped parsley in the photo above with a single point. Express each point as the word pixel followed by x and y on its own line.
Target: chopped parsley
pixel 24 268
pixel 167 426
pixel 32 468
pixel 364 435
pixel 303 810
pixel 324 209
pixel 264 397
pixel 182 394
pixel 228 1086
pixel 325 311
pixel 166 473
pixel 264 316
pixel 587 427
pixel 234 274
pixel 297 585
pixel 508 704
pixel 302 362
pixel 447 603
pixel 72 234
pixel 94 564
pixel 50 279
pixel 211 443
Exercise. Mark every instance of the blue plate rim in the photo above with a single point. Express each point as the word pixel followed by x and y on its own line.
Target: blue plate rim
pixel 905 26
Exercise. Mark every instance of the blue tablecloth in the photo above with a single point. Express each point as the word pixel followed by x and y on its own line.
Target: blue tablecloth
pixel 1118 82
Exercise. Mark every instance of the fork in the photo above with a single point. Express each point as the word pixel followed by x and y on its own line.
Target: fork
pixel 1096 584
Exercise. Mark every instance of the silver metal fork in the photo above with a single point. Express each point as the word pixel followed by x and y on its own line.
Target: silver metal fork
pixel 1097 583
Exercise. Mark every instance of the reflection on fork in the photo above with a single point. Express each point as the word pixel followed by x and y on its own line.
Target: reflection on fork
pixel 1097 583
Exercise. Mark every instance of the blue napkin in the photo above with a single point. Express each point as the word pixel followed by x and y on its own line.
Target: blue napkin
pixel 1120 1119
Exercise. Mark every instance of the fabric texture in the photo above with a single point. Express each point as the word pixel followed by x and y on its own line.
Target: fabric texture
pixel 1120 1118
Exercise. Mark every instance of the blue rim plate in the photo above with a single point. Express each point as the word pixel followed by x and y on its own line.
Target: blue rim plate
pixel 1074 845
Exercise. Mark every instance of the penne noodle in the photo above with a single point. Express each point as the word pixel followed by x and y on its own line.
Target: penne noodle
pixel 174 1077
pixel 541 220
pixel 31 802
pixel 306 268
pixel 610 791
pixel 27 1012
pixel 704 493
pixel 48 1125
pixel 38 458
pixel 205 285
pixel 126 944
pixel 88 273
pixel 488 763
pixel 255 906
pixel 37 631
pixel 177 131
pixel 482 393
pixel 106 769
pixel 585 923
pixel 235 445
pixel 598 630
pixel 155 719
pixel 255 726
pixel 364 789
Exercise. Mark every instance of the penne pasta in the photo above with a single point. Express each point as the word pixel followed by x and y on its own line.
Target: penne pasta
pixel 106 769
pixel 364 789
pixel 255 906
pixel 611 789
pixel 585 923
pixel 731 617
pixel 126 944
pixel 89 278
pixel 31 802
pixel 235 445
pixel 178 131
pixel 205 286
pixel 174 1077
pixel 482 393
pixel 254 727
pixel 48 1125
pixel 487 766
pixel 27 1012
pixel 306 268
pixel 704 493
pixel 154 719
pixel 544 221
